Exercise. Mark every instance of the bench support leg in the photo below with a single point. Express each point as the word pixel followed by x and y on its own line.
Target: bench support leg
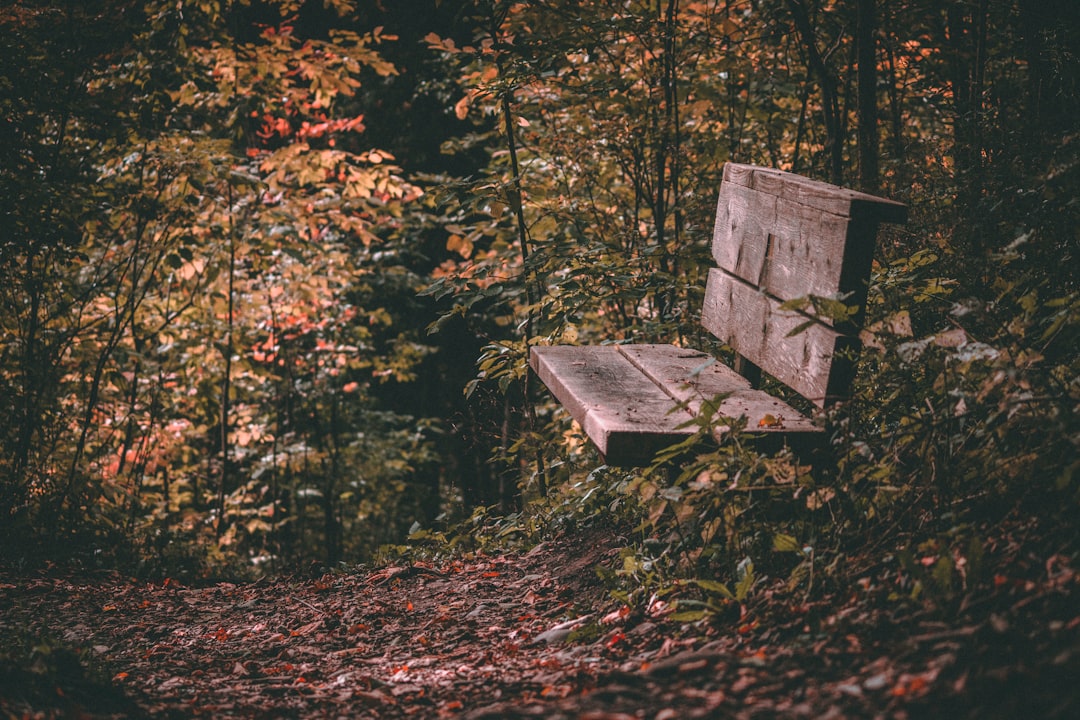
pixel 748 370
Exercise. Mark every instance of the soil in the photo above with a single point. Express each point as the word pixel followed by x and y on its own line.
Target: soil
pixel 530 635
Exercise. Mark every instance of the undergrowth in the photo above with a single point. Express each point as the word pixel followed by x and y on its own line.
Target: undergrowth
pixel 43 677
pixel 961 434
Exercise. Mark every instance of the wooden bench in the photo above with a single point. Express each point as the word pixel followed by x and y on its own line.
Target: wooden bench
pixel 779 237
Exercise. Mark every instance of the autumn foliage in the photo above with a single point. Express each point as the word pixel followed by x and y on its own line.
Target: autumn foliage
pixel 270 271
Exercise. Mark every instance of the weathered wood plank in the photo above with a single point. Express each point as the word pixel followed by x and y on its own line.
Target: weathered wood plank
pixel 793 250
pixel 816 362
pixel 816 194
pixel 693 378
pixel 622 411
pixel 787 249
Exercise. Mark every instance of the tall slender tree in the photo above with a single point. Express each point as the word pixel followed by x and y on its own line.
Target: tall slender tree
pixel 866 45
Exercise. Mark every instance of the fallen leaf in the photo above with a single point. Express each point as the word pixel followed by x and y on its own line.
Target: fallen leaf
pixel 616 615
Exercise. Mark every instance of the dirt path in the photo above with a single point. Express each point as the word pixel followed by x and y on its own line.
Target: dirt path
pixel 534 635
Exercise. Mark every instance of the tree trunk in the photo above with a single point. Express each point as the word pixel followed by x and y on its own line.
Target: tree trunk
pixel 964 28
pixel 830 96
pixel 226 380
pixel 30 410
pixel 865 40
pixel 896 111
pixel 1048 29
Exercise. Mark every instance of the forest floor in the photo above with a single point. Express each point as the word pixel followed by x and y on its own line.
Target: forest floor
pixel 529 635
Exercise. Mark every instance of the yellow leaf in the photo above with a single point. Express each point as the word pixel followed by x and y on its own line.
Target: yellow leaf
pixel 771 421
pixel 785 543
pixel 461 245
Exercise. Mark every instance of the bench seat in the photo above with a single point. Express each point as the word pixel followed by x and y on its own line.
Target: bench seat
pixel 635 400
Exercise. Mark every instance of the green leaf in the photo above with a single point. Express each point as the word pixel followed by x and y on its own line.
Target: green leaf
pixel 801 328
pixel 785 543
pixel 689 616
pixel 746 579
pixel 715 587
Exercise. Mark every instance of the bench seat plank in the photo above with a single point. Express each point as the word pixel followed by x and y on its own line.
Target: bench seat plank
pixel 634 400
pixel 692 377
pixel 624 413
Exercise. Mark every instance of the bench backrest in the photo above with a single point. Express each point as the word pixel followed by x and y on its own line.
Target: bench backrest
pixel 781 237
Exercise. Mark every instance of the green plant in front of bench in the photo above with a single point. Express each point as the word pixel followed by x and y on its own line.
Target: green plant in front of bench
pixel 793 258
pixel 702 513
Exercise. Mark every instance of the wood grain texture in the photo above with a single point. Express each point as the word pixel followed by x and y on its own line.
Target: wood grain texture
pixel 787 249
pixel 815 362
pixel 694 378
pixel 816 194
pixel 622 411
pixel 635 400
pixel 793 250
